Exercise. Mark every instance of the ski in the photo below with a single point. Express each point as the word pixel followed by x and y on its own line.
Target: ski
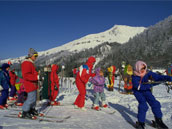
pixel 14 109
pixel 151 124
pixel 155 125
pixel 105 110
pixel 57 119
pixel 48 120
pixel 134 125
pixel 44 116
pixel 11 104
pixel 40 119
pixel 16 116
pixel 125 93
pixel 108 110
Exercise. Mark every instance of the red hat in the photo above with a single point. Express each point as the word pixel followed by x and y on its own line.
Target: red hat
pixel 9 62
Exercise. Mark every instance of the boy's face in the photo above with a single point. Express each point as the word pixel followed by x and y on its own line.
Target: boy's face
pixel 34 57
pixel 8 68
pixel 101 73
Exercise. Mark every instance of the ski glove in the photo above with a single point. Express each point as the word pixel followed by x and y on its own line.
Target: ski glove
pixel 38 77
pixel 55 87
pixel 1 88
pixel 89 84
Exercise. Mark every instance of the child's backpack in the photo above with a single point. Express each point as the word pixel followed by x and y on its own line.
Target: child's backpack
pixel 19 85
pixel 128 70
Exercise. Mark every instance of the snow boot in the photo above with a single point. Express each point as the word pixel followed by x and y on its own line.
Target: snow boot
pixel 83 109
pixel 111 89
pixel 12 98
pixel 26 115
pixel 104 105
pixel 55 103
pixel 2 107
pixel 33 112
pixel 96 108
pixel 160 124
pixel 76 106
pixel 6 105
pixel 140 125
pixel 19 104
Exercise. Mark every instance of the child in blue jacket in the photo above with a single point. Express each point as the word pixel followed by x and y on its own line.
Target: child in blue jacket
pixel 4 85
pixel 142 92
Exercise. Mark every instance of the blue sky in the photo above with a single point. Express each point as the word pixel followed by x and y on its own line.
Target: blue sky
pixel 43 25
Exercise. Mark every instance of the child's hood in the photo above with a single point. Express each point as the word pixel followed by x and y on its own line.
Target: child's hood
pixel 97 71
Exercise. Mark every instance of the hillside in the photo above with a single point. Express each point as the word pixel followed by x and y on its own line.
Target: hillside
pixel 153 46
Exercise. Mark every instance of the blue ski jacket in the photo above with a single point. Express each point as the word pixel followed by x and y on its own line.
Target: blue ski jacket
pixel 141 84
pixel 4 80
pixel 142 92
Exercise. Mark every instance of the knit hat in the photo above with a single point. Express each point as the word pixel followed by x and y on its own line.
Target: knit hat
pixel 32 52
pixel 4 66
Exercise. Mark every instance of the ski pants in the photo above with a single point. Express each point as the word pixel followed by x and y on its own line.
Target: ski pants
pixel 97 96
pixel 13 91
pixel 54 93
pixel 144 97
pixel 80 100
pixel 30 101
pixel 21 97
pixel 4 97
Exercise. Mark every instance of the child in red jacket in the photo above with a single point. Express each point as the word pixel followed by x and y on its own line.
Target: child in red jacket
pixel 54 85
pixel 82 77
pixel 30 76
pixel 13 78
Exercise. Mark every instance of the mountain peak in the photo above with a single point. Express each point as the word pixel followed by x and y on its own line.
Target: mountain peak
pixel 118 33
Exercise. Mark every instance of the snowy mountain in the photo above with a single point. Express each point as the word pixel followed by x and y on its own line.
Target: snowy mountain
pixel 119 33
pixel 153 46
pixel 120 43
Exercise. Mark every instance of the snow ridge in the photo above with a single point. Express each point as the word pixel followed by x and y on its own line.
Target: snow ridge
pixel 118 33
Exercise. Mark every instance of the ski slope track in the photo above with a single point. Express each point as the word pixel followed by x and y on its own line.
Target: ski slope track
pixel 125 107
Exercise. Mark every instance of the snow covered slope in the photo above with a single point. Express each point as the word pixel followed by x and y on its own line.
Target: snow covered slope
pixel 118 33
pixel 124 105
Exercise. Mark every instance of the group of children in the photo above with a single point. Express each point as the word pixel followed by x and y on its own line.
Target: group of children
pixel 140 87
pixel 9 87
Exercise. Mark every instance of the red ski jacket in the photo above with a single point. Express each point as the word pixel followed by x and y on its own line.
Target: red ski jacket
pixel 13 78
pixel 54 77
pixel 85 71
pixel 30 75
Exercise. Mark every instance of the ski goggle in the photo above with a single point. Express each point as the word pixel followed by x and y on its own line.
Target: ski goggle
pixel 35 55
